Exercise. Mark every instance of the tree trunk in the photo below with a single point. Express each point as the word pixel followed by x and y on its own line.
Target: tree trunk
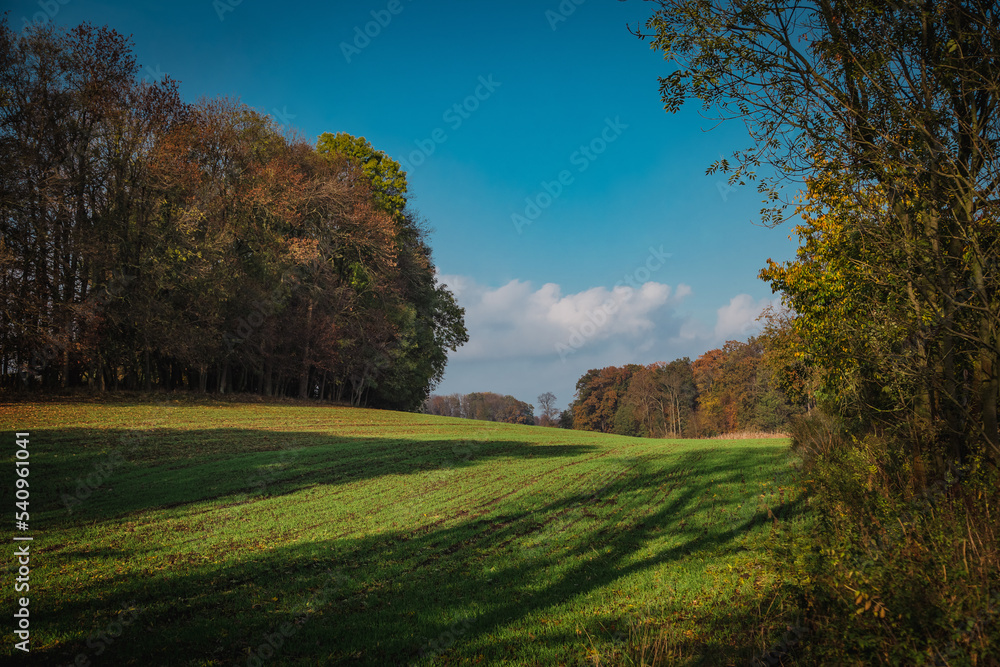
pixel 147 383
pixel 304 373
pixel 990 392
pixel 65 366
pixel 680 423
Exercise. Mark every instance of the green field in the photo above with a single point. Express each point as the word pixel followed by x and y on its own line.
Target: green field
pixel 195 533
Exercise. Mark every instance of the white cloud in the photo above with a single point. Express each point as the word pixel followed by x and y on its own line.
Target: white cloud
pixel 516 330
pixel 518 320
pixel 738 319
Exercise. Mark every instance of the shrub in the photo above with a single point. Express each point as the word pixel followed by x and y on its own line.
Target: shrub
pixel 902 571
pixel 814 435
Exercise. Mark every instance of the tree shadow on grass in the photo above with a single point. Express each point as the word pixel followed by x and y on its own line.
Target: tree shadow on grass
pixel 81 483
pixel 457 590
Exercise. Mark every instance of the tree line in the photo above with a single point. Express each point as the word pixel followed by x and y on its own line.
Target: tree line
pixel 756 385
pixel 485 406
pixel 146 242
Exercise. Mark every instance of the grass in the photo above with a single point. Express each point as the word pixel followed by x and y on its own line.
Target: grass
pixel 230 534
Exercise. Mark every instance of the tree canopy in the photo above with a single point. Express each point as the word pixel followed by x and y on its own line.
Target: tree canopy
pixel 148 242
pixel 888 111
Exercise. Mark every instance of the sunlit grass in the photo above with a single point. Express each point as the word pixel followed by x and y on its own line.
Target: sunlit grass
pixel 382 538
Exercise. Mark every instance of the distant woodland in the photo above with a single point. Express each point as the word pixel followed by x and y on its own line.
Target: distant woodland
pixel 486 406
pixel 757 385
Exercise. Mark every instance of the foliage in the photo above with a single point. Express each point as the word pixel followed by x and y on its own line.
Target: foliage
pixel 900 570
pixel 385 175
pixel 598 394
pixel 890 110
pixel 200 248
pixel 754 386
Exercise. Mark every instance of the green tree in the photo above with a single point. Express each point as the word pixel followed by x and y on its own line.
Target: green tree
pixel 427 319
pixel 387 178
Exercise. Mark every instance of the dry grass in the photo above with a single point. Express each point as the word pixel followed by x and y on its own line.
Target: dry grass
pixel 750 435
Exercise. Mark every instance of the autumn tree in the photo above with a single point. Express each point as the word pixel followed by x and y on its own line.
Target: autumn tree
pixel 598 394
pixel 676 381
pixel 427 319
pixel 759 384
pixel 739 387
pixel 484 406
pixel 65 189
pixel 890 109
pixel 145 242
pixel 661 398
pixel 714 416
pixel 784 357
pixel 445 406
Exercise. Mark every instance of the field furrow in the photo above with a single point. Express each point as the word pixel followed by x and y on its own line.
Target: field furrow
pixel 381 538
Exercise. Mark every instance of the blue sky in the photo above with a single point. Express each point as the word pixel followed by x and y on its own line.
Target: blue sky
pixel 489 105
